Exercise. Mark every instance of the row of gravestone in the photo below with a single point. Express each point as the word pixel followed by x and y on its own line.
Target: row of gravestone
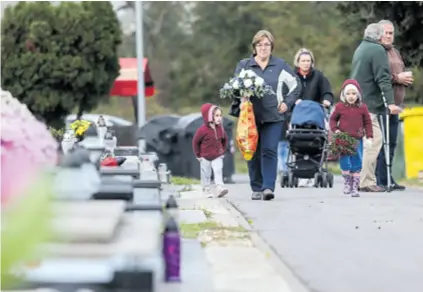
pixel 114 227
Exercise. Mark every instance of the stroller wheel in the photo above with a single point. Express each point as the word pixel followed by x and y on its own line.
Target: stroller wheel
pixel 284 179
pixel 324 181
pixel 330 180
pixel 290 180
pixel 296 182
pixel 317 178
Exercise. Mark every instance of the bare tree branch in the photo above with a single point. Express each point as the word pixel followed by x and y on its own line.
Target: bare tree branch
pixel 159 23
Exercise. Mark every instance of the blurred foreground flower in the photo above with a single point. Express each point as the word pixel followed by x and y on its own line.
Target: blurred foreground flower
pixel 27 149
pixel 25 224
pixel 26 146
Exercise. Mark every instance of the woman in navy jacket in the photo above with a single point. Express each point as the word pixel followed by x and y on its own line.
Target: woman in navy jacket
pixel 270 112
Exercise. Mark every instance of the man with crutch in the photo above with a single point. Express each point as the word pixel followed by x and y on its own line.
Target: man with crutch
pixel 400 80
pixel 370 67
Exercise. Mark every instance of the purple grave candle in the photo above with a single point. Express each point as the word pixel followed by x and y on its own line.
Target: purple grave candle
pixel 172 251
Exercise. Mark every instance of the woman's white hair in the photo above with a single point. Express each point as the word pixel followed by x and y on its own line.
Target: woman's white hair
pixel 303 51
pixel 374 31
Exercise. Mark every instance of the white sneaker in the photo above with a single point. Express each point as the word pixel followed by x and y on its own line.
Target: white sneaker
pixel 221 191
pixel 207 192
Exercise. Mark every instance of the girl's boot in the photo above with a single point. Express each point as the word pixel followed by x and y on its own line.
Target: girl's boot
pixel 347 183
pixel 355 182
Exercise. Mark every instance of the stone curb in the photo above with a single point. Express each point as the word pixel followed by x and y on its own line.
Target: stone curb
pixel 275 261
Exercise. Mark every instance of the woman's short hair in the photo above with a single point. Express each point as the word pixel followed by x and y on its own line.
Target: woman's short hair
pixel 303 51
pixel 261 34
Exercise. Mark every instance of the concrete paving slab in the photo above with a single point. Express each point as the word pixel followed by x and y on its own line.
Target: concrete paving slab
pixel 245 269
pixel 191 195
pixel 192 216
pixel 196 273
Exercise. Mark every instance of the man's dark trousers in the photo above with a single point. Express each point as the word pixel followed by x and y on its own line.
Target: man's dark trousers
pixel 381 171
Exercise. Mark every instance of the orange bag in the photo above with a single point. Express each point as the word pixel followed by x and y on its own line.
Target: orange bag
pixel 246 131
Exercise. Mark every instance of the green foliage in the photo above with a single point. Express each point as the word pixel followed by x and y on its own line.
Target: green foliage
pixel 178 180
pixel 24 227
pixel 415 91
pixel 342 144
pixel 57 134
pixel 58 58
pixel 215 43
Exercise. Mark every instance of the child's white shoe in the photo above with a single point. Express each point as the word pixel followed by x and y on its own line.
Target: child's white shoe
pixel 207 192
pixel 221 191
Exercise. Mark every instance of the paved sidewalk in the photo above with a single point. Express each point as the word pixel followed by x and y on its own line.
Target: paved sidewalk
pixel 335 243
pixel 235 263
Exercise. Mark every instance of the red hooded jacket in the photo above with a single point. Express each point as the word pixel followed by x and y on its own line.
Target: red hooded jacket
pixel 209 143
pixel 352 119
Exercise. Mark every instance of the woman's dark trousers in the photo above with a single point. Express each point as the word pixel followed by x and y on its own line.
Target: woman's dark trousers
pixel 262 169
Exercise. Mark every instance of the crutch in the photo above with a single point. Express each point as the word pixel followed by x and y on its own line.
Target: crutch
pixel 385 137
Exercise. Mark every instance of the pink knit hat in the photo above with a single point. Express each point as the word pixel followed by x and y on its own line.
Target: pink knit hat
pixel 350 84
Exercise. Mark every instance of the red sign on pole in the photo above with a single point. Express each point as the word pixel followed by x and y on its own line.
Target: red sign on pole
pixel 126 83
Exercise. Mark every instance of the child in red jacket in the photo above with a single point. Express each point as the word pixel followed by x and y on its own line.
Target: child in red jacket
pixel 352 117
pixel 209 144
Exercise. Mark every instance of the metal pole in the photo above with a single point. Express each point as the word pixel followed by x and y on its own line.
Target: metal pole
pixel 386 145
pixel 140 67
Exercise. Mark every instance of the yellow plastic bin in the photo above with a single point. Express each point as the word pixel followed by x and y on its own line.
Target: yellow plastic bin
pixel 413 141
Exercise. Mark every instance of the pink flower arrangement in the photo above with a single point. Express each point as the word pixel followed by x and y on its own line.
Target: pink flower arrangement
pixel 27 147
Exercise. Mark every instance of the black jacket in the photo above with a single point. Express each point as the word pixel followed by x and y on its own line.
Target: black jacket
pixel 315 86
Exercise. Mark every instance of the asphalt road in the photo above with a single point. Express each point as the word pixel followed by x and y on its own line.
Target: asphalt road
pixel 334 243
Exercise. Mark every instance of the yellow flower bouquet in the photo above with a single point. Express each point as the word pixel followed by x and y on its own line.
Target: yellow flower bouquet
pixel 79 127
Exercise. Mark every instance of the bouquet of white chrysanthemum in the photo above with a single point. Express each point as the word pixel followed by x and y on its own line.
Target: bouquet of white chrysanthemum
pixel 246 84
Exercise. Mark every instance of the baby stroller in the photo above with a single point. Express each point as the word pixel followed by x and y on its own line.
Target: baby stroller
pixel 308 140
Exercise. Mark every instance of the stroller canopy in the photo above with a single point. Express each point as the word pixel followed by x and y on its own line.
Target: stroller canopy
pixel 308 113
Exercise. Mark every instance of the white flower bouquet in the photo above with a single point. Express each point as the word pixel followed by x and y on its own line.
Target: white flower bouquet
pixel 246 84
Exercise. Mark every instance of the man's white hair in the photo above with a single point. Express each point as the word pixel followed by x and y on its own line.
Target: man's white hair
pixel 374 31
pixel 385 21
